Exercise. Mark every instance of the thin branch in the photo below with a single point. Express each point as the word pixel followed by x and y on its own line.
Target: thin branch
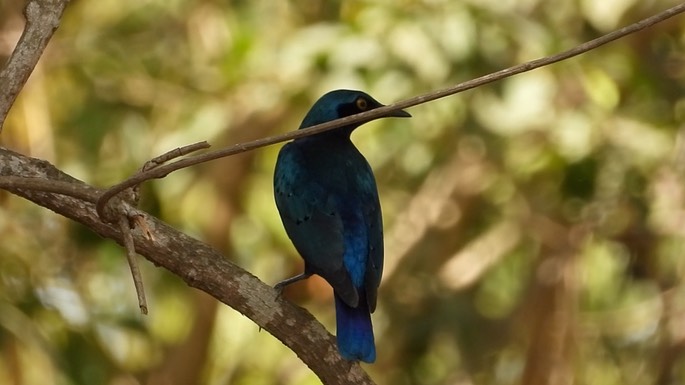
pixel 129 245
pixel 175 153
pixel 162 171
pixel 42 19
pixel 151 165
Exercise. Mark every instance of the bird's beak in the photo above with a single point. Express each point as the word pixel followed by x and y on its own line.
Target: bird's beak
pixel 400 114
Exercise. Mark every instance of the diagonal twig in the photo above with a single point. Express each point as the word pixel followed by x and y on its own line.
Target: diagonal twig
pixel 125 229
pixel 175 153
pixel 164 170
pixel 151 165
pixel 42 19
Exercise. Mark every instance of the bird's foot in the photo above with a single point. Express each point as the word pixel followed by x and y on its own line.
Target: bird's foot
pixel 279 288
pixel 281 285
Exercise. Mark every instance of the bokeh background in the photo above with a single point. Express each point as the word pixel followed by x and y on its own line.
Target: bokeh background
pixel 534 227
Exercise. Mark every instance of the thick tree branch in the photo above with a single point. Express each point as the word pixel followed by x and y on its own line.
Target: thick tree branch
pixel 42 19
pixel 199 266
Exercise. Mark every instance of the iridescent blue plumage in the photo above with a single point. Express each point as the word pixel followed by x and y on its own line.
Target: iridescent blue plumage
pixel 326 195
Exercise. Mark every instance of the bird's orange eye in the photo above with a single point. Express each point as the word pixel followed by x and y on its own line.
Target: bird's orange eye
pixel 362 104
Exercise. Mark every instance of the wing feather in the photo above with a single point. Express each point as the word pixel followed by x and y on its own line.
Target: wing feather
pixel 312 222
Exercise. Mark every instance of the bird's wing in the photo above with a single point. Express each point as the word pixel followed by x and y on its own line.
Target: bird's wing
pixel 374 265
pixel 312 222
pixel 374 226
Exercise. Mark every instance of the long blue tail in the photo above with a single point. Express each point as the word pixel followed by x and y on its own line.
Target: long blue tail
pixel 354 331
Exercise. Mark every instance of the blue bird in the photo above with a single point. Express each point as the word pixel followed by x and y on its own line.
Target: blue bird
pixel 326 195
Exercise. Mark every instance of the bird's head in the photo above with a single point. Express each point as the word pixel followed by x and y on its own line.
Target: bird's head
pixel 341 103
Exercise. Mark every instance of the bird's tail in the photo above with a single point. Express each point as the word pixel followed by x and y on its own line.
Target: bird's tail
pixel 354 330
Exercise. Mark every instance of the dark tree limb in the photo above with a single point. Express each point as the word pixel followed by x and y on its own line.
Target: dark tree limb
pixel 199 265
pixel 42 19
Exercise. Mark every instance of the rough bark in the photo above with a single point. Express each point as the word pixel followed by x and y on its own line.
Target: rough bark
pixel 198 264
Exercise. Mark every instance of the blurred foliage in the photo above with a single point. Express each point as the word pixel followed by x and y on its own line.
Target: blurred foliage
pixel 534 227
